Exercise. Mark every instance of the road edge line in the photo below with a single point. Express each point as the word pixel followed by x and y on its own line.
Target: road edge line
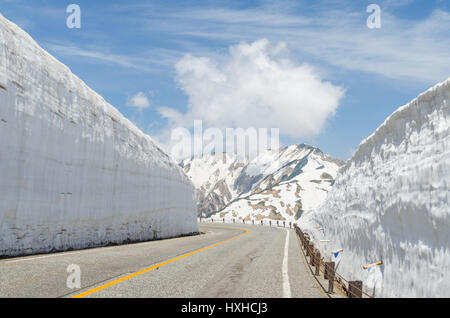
pixel 285 268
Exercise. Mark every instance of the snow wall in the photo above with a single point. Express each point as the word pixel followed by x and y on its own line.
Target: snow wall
pixel 74 173
pixel 390 202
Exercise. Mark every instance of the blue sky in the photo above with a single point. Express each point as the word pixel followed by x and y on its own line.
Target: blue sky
pixel 134 48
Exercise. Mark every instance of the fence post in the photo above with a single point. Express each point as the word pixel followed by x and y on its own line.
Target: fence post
pixel 310 249
pixel 317 263
pixel 355 289
pixel 329 275
pixel 311 255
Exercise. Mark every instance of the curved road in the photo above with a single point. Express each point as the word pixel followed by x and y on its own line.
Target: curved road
pixel 226 261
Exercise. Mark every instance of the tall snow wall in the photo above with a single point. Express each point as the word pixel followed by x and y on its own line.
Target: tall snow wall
pixel 74 173
pixel 390 202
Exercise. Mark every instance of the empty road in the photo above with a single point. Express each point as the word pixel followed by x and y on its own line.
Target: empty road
pixel 225 261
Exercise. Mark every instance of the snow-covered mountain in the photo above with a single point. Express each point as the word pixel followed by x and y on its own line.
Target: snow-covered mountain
pixel 391 202
pixel 277 184
pixel 74 172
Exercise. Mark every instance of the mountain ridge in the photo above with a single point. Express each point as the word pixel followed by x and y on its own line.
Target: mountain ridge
pixel 222 179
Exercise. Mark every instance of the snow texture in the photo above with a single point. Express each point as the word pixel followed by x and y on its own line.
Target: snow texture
pixel 285 200
pixel 277 184
pixel 390 202
pixel 74 173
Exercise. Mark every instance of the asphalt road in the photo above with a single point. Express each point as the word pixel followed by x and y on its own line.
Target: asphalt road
pixel 227 261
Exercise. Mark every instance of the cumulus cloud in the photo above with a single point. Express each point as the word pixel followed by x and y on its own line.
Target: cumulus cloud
pixel 139 100
pixel 255 85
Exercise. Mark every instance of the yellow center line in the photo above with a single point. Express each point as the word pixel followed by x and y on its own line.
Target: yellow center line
pixel 96 289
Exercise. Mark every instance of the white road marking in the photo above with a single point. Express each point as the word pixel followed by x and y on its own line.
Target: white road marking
pixel 37 257
pixel 286 285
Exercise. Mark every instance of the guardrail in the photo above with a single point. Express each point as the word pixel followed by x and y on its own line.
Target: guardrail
pixel 264 222
pixel 353 289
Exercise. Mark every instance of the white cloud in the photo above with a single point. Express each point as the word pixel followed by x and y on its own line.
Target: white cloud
pixel 403 49
pixel 139 100
pixel 75 51
pixel 335 34
pixel 255 85
pixel 152 60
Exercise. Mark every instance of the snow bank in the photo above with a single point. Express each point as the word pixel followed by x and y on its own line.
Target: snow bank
pixel 75 173
pixel 390 202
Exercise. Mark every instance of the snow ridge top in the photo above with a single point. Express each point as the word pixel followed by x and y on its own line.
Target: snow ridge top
pixel 412 113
